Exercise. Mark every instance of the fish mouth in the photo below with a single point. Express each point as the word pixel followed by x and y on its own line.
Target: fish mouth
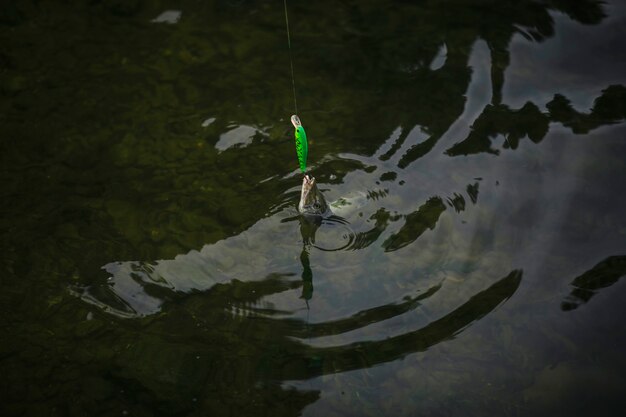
pixel 308 183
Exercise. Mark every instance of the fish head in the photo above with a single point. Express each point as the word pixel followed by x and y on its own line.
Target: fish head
pixel 312 200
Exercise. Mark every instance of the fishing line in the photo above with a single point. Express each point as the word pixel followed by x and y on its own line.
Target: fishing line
pixel 293 80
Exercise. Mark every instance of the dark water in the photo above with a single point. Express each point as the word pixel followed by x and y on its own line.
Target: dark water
pixel 153 262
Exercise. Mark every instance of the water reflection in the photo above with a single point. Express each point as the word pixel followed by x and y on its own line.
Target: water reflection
pixel 212 295
pixel 433 98
pixel 257 348
pixel 169 144
pixel 500 121
pixel 308 227
pixel 415 224
pixel 604 274
pixel 141 288
pixel 607 109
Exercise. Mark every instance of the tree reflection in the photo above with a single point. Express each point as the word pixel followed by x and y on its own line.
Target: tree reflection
pixel 607 109
pixel 604 274
pixel 501 121
pixel 498 120
pixel 393 53
pixel 252 351
pixel 415 224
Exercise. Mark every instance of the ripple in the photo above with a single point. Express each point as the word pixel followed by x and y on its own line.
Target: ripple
pixel 334 235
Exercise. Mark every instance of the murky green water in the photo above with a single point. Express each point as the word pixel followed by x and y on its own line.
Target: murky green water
pixel 153 261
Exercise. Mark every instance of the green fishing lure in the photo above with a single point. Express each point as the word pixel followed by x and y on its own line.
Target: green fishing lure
pixel 302 146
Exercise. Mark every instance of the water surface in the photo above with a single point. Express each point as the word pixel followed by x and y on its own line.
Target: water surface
pixel 154 262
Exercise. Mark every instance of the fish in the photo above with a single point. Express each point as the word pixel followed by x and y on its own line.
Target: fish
pixel 312 201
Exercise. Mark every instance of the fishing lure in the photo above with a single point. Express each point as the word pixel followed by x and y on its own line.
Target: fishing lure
pixel 302 146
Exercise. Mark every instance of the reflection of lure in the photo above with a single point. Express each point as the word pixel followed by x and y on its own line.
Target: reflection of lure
pixel 302 146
